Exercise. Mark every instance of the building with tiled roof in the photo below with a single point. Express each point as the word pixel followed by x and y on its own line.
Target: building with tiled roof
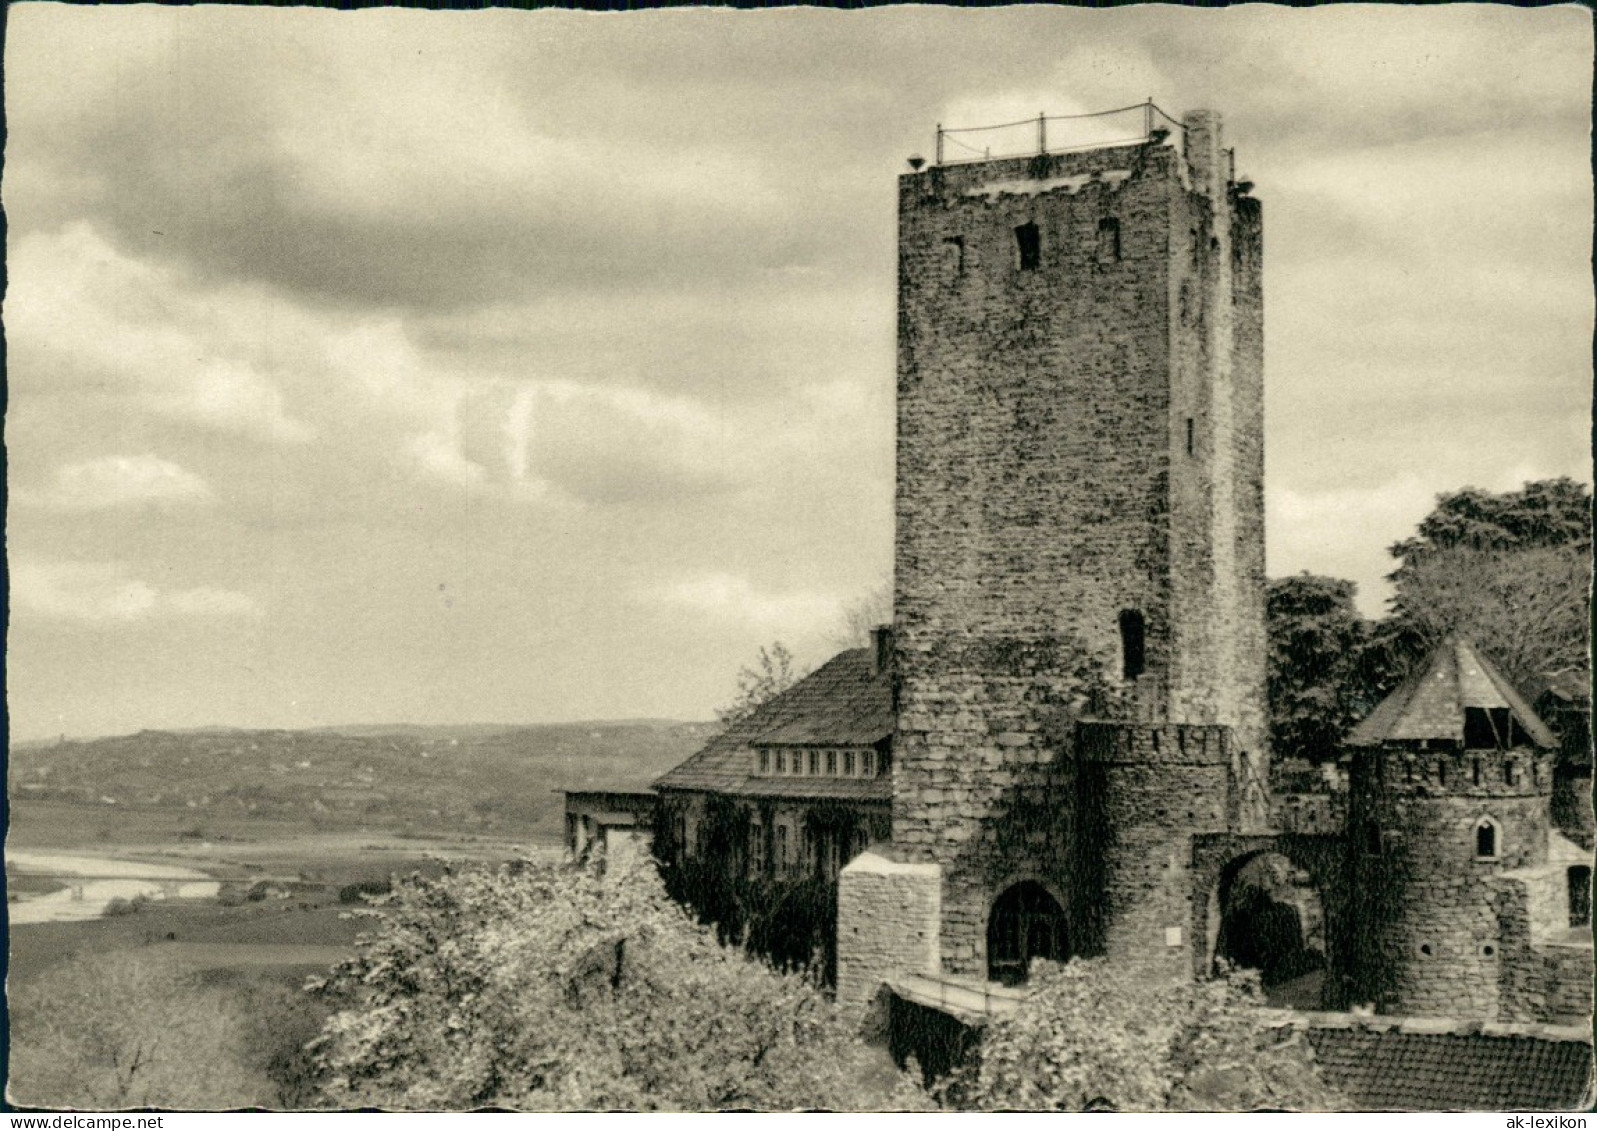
pixel 1468 898
pixel 1401 1064
pixel 1061 748
pixel 1455 688
pixel 842 713
pixel 806 776
pixel 753 829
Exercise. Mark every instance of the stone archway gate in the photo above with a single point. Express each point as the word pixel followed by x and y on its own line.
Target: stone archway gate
pixel 1321 856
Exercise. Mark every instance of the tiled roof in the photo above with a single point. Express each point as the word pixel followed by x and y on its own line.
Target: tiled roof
pixel 1392 1067
pixel 1430 703
pixel 845 702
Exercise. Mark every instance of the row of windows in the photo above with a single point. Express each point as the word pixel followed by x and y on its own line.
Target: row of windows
pixel 782 762
pixel 1029 246
pixel 825 853
pixel 1488 839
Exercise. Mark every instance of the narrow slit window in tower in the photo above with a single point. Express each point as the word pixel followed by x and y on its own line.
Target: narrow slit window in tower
pixel 1189 435
pixel 1028 244
pixel 1132 655
pixel 1108 240
pixel 1579 895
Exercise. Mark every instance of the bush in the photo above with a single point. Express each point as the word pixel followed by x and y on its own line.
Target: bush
pixel 279 1023
pixel 358 891
pixel 544 989
pixel 119 906
pixel 1095 1036
pixel 123 1030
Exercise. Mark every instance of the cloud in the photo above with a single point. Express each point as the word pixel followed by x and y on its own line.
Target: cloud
pixel 82 317
pixel 105 593
pixel 119 481
pixel 575 443
pixel 436 186
pixel 732 598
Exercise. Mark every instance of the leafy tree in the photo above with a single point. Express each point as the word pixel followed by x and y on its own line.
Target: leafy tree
pixel 772 674
pixel 127 1030
pixel 545 989
pixel 871 608
pixel 1324 674
pixel 1511 571
pixel 1095 1035
pixel 1548 512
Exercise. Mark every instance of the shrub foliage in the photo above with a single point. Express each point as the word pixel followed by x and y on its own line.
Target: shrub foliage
pixel 1094 1035
pixel 128 1030
pixel 545 989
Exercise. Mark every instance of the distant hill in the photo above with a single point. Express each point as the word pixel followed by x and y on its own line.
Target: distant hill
pixel 484 778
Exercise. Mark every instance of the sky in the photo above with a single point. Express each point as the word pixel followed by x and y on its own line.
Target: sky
pixel 408 366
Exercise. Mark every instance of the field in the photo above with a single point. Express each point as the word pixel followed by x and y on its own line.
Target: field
pixel 286 907
pixel 304 813
pixel 294 826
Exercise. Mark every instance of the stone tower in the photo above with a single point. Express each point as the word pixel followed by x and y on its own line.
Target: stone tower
pixel 1450 787
pixel 1079 536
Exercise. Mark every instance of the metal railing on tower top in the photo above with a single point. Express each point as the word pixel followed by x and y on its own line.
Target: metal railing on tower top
pixel 1128 125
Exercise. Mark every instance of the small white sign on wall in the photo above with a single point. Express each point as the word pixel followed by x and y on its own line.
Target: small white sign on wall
pixel 1172 936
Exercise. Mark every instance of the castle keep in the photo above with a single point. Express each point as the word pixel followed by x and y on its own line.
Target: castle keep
pixel 1060 746
pixel 1079 531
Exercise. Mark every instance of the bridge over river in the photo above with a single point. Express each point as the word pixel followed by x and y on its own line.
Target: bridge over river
pixel 90 883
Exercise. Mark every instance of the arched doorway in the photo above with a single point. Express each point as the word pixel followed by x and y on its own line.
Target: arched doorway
pixel 1272 920
pixel 1026 922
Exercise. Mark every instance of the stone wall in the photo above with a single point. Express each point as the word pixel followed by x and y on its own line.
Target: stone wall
pixel 1437 942
pixel 887 923
pixel 1544 976
pixel 1572 807
pixel 1078 438
pixel 1147 792
pixel 1569 983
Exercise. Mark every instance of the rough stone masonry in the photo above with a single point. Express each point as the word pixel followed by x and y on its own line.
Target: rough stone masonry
pixel 1079 536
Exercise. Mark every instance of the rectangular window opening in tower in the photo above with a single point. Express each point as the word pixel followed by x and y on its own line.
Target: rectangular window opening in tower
pixel 1028 246
pixel 1109 240
pixel 1189 435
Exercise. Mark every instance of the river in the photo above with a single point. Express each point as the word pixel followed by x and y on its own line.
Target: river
pixel 112 879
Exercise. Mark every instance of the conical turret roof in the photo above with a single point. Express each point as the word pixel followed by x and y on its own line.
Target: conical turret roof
pixel 1430 704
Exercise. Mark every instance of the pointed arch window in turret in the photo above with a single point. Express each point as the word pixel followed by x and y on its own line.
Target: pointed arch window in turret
pixel 1488 839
